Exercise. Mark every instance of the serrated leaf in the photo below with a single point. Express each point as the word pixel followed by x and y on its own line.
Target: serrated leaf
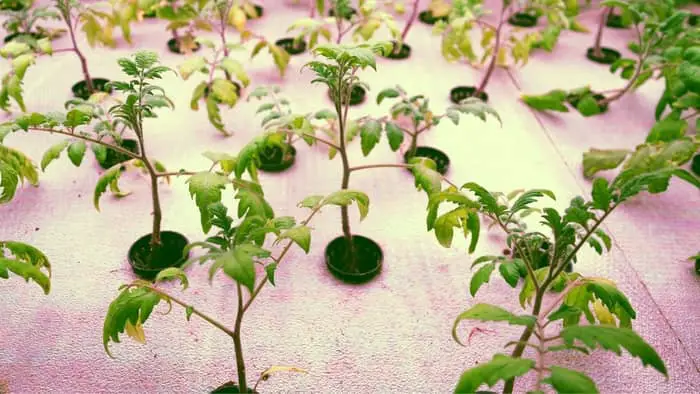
pixel 53 153
pixel 370 134
pixel 346 197
pixel 596 160
pixel 614 339
pixel 301 235
pixel 239 263
pixel 173 273
pixel 482 276
pixel 395 135
pixel 510 273
pixel 206 189
pixel 501 367
pixel 133 306
pixel 601 194
pixel 387 93
pixel 108 178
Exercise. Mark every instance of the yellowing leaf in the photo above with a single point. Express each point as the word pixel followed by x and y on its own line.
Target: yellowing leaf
pixel 237 18
pixel 135 332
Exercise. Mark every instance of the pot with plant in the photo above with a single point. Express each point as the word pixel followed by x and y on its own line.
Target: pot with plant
pixel 216 91
pixel 362 24
pixel 274 151
pixel 659 48
pixel 401 50
pixel 236 248
pixel 24 24
pixel 184 18
pixel 496 45
pixel 553 294
pixel 159 249
pixel 597 52
pixel 26 261
pixel 411 116
pixel 354 258
pixel 438 11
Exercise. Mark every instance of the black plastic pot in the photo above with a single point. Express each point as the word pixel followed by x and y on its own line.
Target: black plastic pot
pixel 276 159
pixel 615 21
pixel 288 45
pixel 462 92
pixel 147 262
pixel 357 96
pixel 428 18
pixel 347 16
pixel 523 19
pixel 258 10
pixel 113 157
pixel 80 89
pixel 231 387
pixel 404 52
pixel 175 48
pixel 368 256
pixel 693 20
pixel 16 5
pixel 610 55
pixel 695 166
pixel 21 37
pixel 438 156
pixel 574 100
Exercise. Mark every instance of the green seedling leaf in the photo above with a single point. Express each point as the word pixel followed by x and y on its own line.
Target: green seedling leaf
pixel 15 168
pixel 370 134
pixel 346 197
pixel 111 176
pixel 173 273
pixel 550 101
pixel 128 312
pixel 206 189
pixel 301 235
pixel 394 135
pixel 482 276
pixel 53 153
pixel 76 152
pixel 614 339
pixel 501 367
pixel 270 270
pixel 567 381
pixel 387 93
pixel 596 160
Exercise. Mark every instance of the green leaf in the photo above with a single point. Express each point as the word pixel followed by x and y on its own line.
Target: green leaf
pixel 690 76
pixel 26 261
pixel 132 307
pixel 387 93
pixel 15 167
pixel 370 133
pixel 301 235
pixel 394 135
pixel 588 106
pixel 270 270
pixel 614 339
pixel 667 129
pixel 76 152
pixel 311 202
pixel 491 313
pixel 510 273
pixel 53 153
pixel 611 297
pixel 235 68
pixel 601 194
pixel 477 107
pixel 239 263
pixel 251 202
pixel 346 197
pixel 173 273
pixel 225 92
pixel 501 367
pixel 596 160
pixel 550 101
pixel 480 277
pixel 191 65
pixel 426 175
pixel 108 178
pixel 206 189
pixel 188 312
pixel 567 381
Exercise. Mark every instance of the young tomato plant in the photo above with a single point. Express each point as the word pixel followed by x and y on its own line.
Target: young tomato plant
pixel 354 258
pixel 605 308
pixel 215 90
pixel 142 99
pixel 411 116
pixel 274 150
pixel 497 41
pixel 26 261
pixel 24 24
pixel 656 33
pixel 236 249
pixel 184 18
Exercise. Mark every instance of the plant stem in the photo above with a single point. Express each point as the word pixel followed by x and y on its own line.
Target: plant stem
pixel 411 20
pixel 66 13
pixel 496 48
pixel 195 312
pixel 525 337
pixel 342 118
pixel 88 139
pixel 599 35
pixel 630 83
pixel 240 362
